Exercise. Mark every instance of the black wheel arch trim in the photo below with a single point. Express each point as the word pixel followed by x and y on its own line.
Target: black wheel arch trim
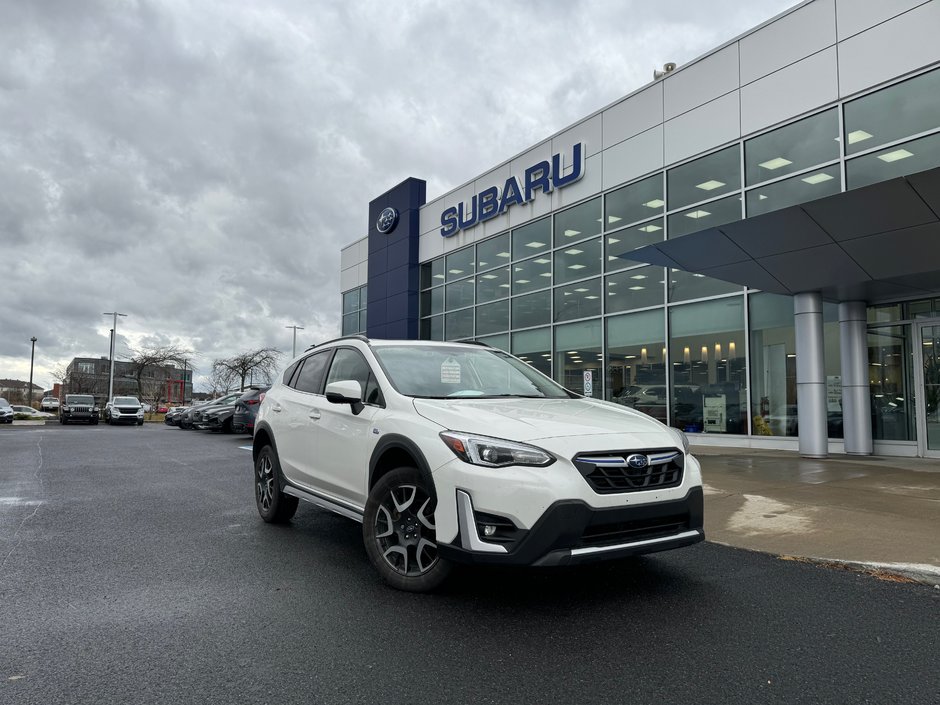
pixel 394 441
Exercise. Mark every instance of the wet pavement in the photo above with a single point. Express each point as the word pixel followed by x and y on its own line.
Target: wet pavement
pixel 871 510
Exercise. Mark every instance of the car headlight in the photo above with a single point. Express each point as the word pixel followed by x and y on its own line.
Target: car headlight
pixel 494 452
pixel 95 409
pixel 682 438
pixel 65 408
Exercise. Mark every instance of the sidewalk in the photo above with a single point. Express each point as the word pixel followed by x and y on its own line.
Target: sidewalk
pixel 855 509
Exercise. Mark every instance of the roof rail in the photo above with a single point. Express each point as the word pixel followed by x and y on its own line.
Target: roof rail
pixel 476 342
pixel 354 336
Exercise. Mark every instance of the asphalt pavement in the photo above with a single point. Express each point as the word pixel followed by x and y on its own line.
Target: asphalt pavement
pixel 134 569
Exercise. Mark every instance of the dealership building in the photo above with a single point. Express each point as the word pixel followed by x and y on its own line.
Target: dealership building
pixel 747 248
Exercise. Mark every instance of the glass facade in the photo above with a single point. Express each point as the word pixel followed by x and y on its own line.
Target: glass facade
pixel 354 310
pixel 703 355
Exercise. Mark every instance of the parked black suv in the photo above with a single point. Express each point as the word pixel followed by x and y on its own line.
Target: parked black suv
pixel 246 409
pixel 79 407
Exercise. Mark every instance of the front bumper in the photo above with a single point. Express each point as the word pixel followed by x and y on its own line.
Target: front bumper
pixel 571 531
pixel 90 416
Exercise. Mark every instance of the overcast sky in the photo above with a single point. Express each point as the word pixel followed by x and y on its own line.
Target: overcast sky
pixel 199 164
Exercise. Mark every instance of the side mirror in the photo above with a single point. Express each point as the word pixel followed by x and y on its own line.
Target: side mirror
pixel 347 391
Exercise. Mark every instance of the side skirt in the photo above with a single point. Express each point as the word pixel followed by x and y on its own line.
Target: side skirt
pixel 324 503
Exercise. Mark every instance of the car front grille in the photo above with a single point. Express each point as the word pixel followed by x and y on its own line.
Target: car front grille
pixel 609 472
pixel 604 534
pixel 127 410
pixel 80 409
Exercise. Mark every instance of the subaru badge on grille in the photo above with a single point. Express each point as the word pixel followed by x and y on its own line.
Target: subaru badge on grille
pixel 637 461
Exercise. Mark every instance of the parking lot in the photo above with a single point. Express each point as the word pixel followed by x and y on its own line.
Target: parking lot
pixel 134 568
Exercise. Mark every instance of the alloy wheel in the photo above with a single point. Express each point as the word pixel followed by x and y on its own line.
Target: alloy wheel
pixel 405 530
pixel 265 481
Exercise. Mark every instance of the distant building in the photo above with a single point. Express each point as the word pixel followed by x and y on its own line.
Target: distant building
pixel 90 375
pixel 17 392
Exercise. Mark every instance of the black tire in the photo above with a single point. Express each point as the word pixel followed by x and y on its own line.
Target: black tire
pixel 227 427
pixel 399 532
pixel 140 423
pixel 62 421
pixel 274 506
pixel 94 422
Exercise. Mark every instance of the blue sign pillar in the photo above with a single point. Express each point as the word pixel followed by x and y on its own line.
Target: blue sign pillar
pixel 394 272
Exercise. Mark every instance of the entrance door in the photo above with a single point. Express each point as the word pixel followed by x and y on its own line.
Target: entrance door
pixel 927 371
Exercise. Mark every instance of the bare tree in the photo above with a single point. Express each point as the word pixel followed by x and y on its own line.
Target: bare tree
pixel 154 388
pixel 220 380
pixel 257 365
pixel 147 359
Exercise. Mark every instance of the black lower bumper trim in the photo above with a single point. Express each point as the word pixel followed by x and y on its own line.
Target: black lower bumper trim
pixel 569 532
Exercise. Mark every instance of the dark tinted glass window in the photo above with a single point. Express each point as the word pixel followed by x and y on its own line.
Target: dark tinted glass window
pixel 289 372
pixel 310 377
pixel 350 364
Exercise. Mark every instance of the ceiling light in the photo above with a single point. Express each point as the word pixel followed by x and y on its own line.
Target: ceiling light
pixel 535 244
pixel 858 136
pixel 489 276
pixel 614 219
pixel 612 241
pixel 700 276
pixel 761 197
pixel 542 260
pixel 572 352
pixel 638 276
pixel 896 155
pixel 697 214
pixel 522 281
pixel 502 254
pixel 650 228
pixel 637 288
pixel 456 271
pixel 574 251
pixel 576 266
pixel 817 178
pixel 775 163
pixel 590 297
pixel 655 203
pixel 438 276
pixel 612 257
pixel 545 274
pixel 710 185
pixel 582 290
pixel 504 286
pixel 572 233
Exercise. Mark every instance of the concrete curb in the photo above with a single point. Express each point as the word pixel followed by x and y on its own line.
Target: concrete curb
pixel 922 573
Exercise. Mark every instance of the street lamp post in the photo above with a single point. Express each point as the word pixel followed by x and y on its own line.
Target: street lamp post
pixel 294 348
pixel 111 364
pixel 32 356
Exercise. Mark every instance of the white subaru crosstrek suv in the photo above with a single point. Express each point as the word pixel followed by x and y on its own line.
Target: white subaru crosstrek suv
pixel 449 452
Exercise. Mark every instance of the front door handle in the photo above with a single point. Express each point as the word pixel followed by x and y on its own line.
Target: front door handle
pixel 315 415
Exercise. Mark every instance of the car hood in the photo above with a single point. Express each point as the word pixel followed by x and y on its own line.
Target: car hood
pixel 534 419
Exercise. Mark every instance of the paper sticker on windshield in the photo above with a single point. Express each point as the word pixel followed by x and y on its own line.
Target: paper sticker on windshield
pixel 450 371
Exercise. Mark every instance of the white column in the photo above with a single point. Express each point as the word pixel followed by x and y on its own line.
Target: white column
pixel 856 397
pixel 810 375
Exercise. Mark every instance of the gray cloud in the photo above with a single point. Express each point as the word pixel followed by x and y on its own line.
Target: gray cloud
pixel 198 164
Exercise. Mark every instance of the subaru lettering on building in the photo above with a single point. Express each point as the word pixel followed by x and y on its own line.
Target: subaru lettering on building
pixel 544 176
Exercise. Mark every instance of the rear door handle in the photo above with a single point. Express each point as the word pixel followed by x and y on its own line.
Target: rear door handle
pixel 276 407
pixel 315 415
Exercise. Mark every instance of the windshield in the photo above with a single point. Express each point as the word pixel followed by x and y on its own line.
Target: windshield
pixel 74 399
pixel 127 401
pixel 437 372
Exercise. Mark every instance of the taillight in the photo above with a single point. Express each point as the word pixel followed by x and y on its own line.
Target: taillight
pixel 252 402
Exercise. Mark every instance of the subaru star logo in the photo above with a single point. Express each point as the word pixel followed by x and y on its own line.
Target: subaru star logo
pixel 387 221
pixel 638 461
